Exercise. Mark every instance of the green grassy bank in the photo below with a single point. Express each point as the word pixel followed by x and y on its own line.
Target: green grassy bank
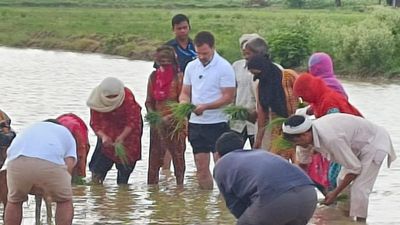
pixel 362 42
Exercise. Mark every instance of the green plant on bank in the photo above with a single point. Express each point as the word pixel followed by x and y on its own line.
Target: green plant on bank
pixel 154 118
pixel 120 153
pixel 180 113
pixel 295 3
pixel 235 112
pixel 369 46
pixel 290 46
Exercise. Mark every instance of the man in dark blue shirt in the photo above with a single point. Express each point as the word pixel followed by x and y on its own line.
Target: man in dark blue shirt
pixel 261 188
pixel 182 44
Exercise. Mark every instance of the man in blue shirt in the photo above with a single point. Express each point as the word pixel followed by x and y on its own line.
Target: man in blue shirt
pixel 262 188
pixel 182 44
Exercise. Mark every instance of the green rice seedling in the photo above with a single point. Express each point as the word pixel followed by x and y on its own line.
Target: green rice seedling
pixel 180 112
pixel 78 180
pixel 281 144
pixel 342 197
pixel 153 118
pixel 275 122
pixel 121 153
pixel 278 143
pixel 236 112
pixel 301 103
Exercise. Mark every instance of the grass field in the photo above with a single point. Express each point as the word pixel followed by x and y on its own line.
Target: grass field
pixel 136 32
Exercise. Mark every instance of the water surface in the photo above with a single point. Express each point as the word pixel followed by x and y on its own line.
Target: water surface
pixel 40 84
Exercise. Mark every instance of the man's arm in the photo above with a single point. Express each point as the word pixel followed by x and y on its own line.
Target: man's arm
pixel 234 204
pixel 70 163
pixel 186 93
pixel 228 96
pixel 331 196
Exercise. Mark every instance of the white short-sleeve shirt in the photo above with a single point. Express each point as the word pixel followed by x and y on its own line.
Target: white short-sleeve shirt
pixel 44 140
pixel 206 83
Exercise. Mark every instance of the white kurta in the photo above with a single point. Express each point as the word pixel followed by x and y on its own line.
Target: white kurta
pixel 360 147
pixel 245 96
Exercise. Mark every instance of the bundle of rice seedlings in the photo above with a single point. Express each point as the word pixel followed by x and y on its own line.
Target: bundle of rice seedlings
pixel 278 143
pixel 180 112
pixel 342 197
pixel 121 153
pixel 153 118
pixel 301 103
pixel 281 144
pixel 275 122
pixel 78 180
pixel 236 112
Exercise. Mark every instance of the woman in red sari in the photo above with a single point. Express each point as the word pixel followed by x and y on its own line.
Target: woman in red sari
pixel 115 118
pixel 163 87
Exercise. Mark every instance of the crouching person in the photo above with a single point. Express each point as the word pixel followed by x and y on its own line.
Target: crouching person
pixel 260 187
pixel 41 160
pixel 354 142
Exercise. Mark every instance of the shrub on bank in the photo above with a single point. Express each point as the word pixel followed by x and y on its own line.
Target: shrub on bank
pixel 290 46
pixel 367 47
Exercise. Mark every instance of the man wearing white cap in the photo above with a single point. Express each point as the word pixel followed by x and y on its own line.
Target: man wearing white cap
pixel 357 144
pixel 245 92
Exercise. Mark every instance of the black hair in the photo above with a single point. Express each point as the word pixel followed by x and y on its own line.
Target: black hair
pixel 179 18
pixel 204 37
pixel 52 121
pixel 228 142
pixel 293 121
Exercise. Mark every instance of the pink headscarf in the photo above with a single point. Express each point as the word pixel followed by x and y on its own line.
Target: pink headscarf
pixel 320 65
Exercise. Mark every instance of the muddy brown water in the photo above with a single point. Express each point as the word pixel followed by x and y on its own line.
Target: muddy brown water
pixel 37 84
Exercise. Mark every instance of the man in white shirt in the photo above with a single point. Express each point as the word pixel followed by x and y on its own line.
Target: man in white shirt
pixel 357 144
pixel 209 83
pixel 41 160
pixel 245 93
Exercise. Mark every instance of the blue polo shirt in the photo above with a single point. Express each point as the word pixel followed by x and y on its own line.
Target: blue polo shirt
pixel 184 55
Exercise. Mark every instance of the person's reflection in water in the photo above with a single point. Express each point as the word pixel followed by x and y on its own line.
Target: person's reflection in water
pixel 101 202
pixel 168 206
